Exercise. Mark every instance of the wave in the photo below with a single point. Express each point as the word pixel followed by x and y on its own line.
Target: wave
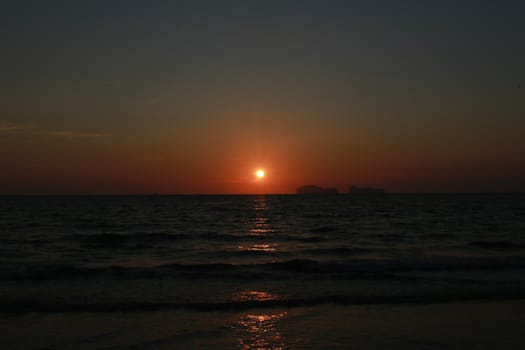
pixel 104 238
pixel 45 306
pixel 277 270
pixel 342 250
pixel 153 238
pixel 323 229
pixel 496 245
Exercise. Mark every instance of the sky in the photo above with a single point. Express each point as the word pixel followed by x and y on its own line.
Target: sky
pixel 132 97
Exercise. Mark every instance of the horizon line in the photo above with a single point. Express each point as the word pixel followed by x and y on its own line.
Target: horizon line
pixel 248 194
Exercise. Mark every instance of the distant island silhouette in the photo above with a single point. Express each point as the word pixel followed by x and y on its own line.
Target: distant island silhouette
pixel 312 189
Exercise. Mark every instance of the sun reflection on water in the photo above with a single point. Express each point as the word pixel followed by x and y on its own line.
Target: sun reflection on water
pixel 260 331
pixel 255 295
pixel 258 248
pixel 261 223
pixel 260 226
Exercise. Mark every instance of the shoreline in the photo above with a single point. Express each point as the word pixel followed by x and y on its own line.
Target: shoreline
pixel 453 325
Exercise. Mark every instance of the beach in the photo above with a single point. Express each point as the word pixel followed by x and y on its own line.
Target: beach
pixel 474 325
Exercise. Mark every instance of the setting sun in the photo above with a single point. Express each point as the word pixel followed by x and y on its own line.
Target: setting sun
pixel 259 173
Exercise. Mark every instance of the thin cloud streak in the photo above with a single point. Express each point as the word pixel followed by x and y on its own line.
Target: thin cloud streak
pixel 73 134
pixel 26 129
pixel 8 127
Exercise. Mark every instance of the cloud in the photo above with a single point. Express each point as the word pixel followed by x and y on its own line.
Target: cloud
pixel 73 134
pixel 8 127
pixel 28 129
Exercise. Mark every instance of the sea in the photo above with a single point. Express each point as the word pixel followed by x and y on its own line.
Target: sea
pixel 407 271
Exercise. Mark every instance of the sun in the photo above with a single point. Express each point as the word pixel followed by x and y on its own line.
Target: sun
pixel 260 173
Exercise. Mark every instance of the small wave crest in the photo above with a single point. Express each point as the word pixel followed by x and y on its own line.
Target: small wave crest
pixel 278 269
pixel 496 245
pixel 114 238
pixel 22 306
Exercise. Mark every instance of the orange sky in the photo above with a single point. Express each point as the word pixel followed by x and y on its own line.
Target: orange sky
pixel 224 157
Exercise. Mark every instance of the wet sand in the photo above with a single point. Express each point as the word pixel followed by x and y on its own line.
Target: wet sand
pixel 472 325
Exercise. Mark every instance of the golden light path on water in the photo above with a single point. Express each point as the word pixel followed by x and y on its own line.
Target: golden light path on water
pixel 260 226
pixel 259 330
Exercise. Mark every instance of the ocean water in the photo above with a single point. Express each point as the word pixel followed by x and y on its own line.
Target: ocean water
pixel 258 272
